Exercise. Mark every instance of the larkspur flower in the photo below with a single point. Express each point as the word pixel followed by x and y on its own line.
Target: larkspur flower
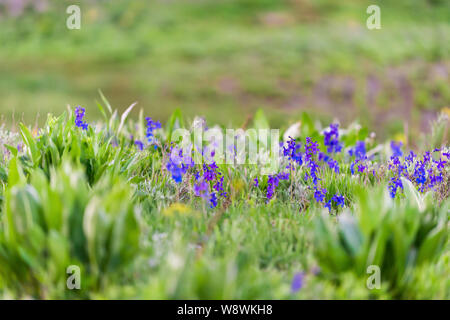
pixel 201 189
pixel 218 186
pixel 175 170
pixel 410 158
pixel 79 115
pixel 272 184
pixel 139 144
pixel 440 164
pixel 359 150
pixel 334 165
pixel 151 126
pixel 292 151
pixel 331 139
pixel 396 148
pixel 210 171
pixel 328 205
pixel 213 200
pixel 394 184
pixel 339 200
pixel 178 164
pixel 283 176
pixel 297 282
pixel 319 194
pixel 311 148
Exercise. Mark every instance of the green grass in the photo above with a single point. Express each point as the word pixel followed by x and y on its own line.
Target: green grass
pixel 91 198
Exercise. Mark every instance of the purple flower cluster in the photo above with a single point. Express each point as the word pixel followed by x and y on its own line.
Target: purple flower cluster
pixel 336 199
pixel 292 151
pixel 331 139
pixel 359 152
pixel 398 170
pixel 178 164
pixel 202 187
pixel 425 172
pixel 139 144
pixel 272 183
pixel 79 115
pixel 151 126
pixel 396 148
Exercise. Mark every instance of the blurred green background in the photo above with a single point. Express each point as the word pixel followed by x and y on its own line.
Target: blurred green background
pixel 224 59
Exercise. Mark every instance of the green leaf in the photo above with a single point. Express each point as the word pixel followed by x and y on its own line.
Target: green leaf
pixel 31 144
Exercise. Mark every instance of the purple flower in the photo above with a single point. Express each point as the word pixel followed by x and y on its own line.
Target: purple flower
pixel 292 151
pixel 283 176
pixel 79 115
pixel 213 200
pixel 359 151
pixel 178 164
pixel 339 200
pixel 328 205
pixel 319 194
pixel 394 184
pixel 218 186
pixel 201 189
pixel 396 148
pixel 440 164
pixel 311 148
pixel 139 144
pixel 151 126
pixel 297 282
pixel 256 184
pixel 272 183
pixel 331 139
pixel 334 165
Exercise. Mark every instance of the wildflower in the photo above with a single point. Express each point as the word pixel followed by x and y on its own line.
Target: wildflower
pixel 139 144
pixel 331 140
pixel 394 184
pixel 359 151
pixel 334 165
pixel 292 151
pixel 328 205
pixel 151 126
pixel 210 171
pixel 297 281
pixel 175 170
pixel 410 158
pixel 178 164
pixel 440 164
pixel 339 200
pixel 420 175
pixel 213 200
pixel 311 148
pixel 256 184
pixel 272 183
pixel 396 148
pixel 218 186
pixel 201 189
pixel 79 115
pixel 283 176
pixel 319 194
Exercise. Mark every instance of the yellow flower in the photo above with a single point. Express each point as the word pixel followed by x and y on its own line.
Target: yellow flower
pixel 176 209
pixel 446 110
pixel 400 137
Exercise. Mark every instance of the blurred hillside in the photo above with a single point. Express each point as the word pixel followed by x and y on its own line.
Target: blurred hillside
pixel 224 59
